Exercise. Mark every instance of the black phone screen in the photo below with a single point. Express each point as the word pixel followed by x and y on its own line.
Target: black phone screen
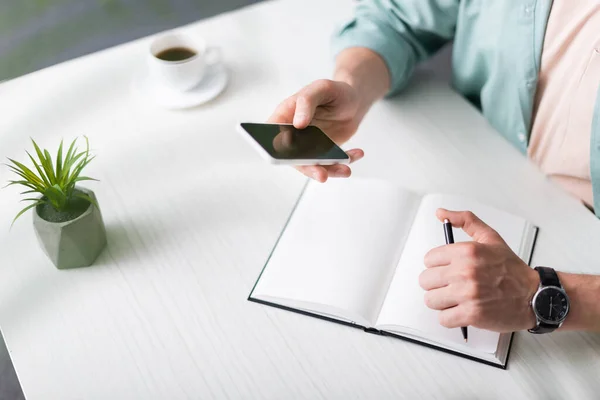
pixel 284 142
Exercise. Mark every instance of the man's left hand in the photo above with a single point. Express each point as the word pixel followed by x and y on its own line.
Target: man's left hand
pixel 481 283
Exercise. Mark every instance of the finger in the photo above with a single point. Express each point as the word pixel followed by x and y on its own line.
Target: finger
pixel 320 173
pixel 344 171
pixel 454 317
pixel 434 278
pixel 441 299
pixel 443 255
pixel 338 171
pixel 316 172
pixel 284 112
pixel 308 99
pixel 355 154
pixel 471 224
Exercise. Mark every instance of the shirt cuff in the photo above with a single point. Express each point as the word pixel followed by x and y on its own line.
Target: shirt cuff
pixel 395 51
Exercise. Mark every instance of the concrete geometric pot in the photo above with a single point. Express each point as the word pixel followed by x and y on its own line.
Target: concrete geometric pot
pixel 75 243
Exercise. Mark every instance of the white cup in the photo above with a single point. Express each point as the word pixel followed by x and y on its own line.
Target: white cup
pixel 185 74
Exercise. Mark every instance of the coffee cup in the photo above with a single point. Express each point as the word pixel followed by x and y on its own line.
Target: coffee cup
pixel 179 62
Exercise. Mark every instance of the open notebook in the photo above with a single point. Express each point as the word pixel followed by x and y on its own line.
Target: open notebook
pixel 352 251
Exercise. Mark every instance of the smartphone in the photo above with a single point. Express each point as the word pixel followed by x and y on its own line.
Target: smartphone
pixel 284 144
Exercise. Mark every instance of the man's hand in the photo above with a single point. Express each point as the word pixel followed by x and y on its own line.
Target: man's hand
pixel 338 106
pixel 482 283
pixel 332 106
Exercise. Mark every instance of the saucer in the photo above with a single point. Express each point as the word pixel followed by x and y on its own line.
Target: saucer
pixel 211 85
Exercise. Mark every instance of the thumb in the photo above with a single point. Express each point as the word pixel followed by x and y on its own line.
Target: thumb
pixel 471 224
pixel 309 98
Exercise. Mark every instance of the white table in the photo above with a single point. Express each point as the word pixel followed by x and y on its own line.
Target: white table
pixel 192 213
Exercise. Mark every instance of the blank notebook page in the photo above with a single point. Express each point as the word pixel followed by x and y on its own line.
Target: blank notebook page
pixel 340 246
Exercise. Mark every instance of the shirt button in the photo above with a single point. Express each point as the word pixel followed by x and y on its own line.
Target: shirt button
pixel 529 84
pixel 521 137
pixel 528 9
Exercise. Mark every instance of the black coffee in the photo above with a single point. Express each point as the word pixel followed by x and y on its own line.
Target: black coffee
pixel 176 54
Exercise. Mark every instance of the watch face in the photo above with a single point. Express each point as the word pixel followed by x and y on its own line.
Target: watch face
pixel 551 304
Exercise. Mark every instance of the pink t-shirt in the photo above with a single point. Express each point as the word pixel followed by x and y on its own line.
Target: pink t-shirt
pixel 566 94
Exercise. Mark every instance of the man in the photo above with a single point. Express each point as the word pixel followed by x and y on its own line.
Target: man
pixel 533 68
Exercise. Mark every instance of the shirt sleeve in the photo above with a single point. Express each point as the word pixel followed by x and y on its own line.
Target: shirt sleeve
pixel 402 32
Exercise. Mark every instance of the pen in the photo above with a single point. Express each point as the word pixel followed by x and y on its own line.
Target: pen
pixel 450 240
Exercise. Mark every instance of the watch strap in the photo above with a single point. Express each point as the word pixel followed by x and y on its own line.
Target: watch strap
pixel 548 277
pixel 543 327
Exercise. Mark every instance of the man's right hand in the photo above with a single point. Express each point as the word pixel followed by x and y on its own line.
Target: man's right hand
pixel 334 107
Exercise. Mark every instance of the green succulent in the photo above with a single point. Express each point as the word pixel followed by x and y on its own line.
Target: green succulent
pixel 54 182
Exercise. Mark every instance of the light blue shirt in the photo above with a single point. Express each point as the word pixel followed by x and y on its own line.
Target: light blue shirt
pixel 496 55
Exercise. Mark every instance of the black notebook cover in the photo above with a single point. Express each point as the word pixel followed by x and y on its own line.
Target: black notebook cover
pixel 384 333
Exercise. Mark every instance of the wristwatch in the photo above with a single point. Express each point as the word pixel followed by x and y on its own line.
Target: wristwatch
pixel 550 303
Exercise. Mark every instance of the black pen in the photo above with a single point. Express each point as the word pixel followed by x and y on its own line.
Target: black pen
pixel 450 240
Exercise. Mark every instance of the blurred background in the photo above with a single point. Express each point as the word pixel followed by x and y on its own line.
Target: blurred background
pixel 38 33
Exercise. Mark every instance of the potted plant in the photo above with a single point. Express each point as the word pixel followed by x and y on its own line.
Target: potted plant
pixel 66 218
